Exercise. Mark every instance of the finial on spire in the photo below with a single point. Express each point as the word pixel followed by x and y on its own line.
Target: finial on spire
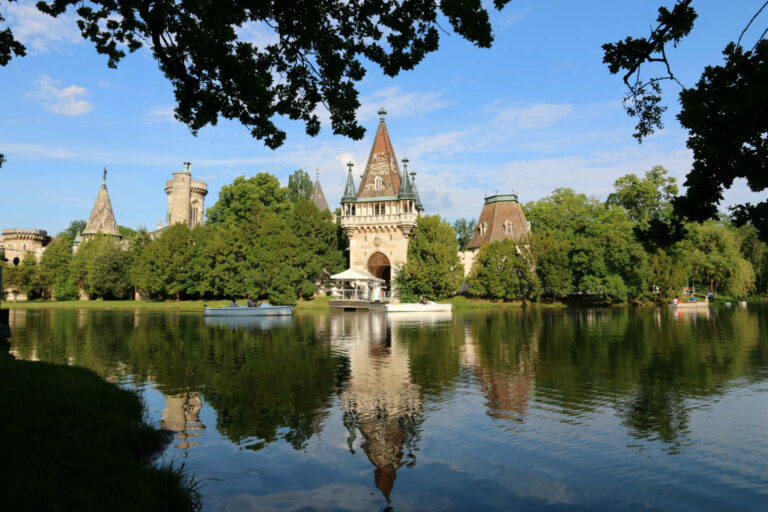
pixel 317 173
pixel 187 165
pixel 104 177
pixel 350 165
pixel 382 113
pixel 405 164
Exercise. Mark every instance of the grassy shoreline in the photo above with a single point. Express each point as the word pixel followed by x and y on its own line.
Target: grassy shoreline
pixel 316 304
pixel 72 441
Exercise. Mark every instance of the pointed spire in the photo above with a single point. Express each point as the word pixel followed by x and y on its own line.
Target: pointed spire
pixel 419 206
pixel 102 219
pixel 317 196
pixel 349 190
pixel 382 174
pixel 406 192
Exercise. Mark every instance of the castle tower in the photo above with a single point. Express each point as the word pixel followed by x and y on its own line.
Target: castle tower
pixel 380 216
pixel 502 217
pixel 186 198
pixel 102 219
pixel 317 195
pixel 18 242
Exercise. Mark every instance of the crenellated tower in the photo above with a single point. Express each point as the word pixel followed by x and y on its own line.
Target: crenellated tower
pixel 186 198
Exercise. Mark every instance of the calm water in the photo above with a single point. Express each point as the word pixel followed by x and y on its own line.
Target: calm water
pixel 516 410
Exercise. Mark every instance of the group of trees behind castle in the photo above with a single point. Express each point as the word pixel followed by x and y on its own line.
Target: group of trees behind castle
pixel 271 243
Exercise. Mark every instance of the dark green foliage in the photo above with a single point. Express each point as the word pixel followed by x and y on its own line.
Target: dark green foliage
pixel 724 113
pixel 668 273
pixel 64 288
pixel 89 450
pixel 238 200
pixel 162 266
pixel 464 229
pixel 299 186
pixel 75 227
pixel 126 232
pixel 54 264
pixel 315 61
pixel 504 270
pixel 433 269
pixel 100 268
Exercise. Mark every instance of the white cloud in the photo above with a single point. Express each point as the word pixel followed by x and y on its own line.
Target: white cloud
pixel 161 115
pixel 40 32
pixel 60 100
pixel 533 117
pixel 399 103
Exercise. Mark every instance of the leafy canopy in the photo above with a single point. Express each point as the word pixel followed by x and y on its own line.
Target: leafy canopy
pixel 315 55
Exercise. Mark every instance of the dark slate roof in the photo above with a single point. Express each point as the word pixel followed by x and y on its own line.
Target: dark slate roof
pixel 497 211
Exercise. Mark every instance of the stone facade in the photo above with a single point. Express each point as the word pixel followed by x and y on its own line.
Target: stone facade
pixel 502 217
pixel 186 198
pixel 378 218
pixel 18 242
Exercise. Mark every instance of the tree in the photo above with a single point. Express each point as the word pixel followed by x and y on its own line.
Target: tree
pixel 504 270
pixel 54 264
pixel 75 227
pixel 723 113
pixel 318 236
pixel 433 269
pixel 464 229
pixel 712 251
pixel 550 257
pixel 27 281
pixel 316 57
pixel 299 186
pixel 648 201
pixel 163 266
pixel 100 268
pixel 237 201
pixel 668 273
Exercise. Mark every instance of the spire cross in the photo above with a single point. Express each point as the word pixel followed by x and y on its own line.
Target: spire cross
pixel 350 165
pixel 104 177
pixel 382 113
pixel 405 164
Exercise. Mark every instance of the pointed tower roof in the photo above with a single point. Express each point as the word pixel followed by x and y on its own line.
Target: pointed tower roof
pixel 317 195
pixel 406 191
pixel 501 217
pixel 419 206
pixel 382 163
pixel 102 217
pixel 349 190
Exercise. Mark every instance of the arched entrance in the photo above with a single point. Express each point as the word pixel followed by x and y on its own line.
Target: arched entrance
pixel 378 266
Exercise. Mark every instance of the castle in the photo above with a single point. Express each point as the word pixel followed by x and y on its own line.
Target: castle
pixel 186 198
pixel 378 218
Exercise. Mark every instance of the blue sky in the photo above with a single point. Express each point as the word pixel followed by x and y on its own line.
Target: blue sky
pixel 537 111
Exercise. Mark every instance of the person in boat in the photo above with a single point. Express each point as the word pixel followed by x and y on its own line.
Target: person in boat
pixel 710 296
pixel 233 304
pixel 250 302
pixel 692 299
pixel 676 301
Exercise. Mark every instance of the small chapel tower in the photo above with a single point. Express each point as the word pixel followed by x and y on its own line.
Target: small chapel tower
pixel 378 218
pixel 186 198
pixel 102 219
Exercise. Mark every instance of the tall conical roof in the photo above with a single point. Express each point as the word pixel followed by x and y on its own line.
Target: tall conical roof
pixel 102 217
pixel 382 175
pixel 318 197
pixel 406 191
pixel 349 190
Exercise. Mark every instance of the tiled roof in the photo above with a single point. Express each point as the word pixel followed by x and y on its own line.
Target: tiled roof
pixel 502 217
pixel 102 217
pixel 318 197
pixel 382 163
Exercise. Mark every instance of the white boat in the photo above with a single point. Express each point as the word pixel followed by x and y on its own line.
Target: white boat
pixel 263 310
pixel 416 307
pixel 690 305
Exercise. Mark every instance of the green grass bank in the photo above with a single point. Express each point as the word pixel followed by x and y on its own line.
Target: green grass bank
pixel 72 441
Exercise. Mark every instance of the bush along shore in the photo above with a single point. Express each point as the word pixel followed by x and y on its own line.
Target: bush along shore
pixel 72 441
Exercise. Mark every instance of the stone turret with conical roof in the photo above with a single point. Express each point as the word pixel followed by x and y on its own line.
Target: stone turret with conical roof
pixel 102 219
pixel 380 216
pixel 317 196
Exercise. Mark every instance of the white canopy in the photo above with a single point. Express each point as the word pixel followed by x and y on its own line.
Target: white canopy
pixel 354 275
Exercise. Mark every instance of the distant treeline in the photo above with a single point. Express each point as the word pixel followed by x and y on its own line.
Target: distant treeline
pixel 271 243
pixel 630 247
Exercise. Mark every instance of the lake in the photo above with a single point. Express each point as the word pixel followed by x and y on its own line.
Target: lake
pixel 543 409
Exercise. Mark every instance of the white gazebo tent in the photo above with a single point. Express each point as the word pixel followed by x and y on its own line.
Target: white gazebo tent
pixel 357 285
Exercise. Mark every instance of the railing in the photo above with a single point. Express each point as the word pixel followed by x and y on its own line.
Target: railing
pixel 361 295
